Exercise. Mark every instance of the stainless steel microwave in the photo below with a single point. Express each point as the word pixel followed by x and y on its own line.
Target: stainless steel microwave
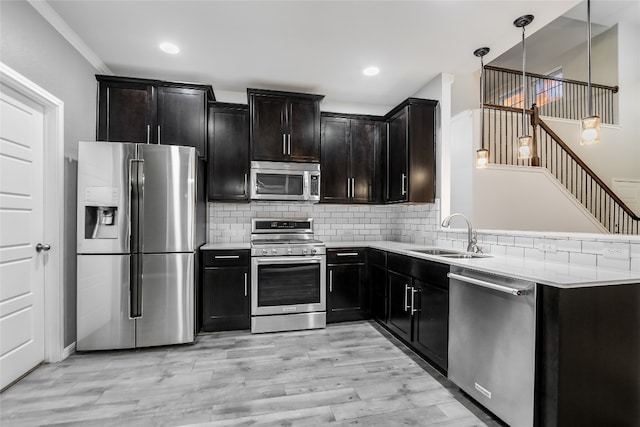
pixel 285 181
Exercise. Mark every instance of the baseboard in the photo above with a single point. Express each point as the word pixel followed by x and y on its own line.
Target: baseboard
pixel 69 350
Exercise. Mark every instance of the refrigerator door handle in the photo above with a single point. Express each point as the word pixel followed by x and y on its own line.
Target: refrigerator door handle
pixel 136 194
pixel 135 287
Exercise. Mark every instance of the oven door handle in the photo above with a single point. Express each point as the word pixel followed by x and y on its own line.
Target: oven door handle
pixel 289 260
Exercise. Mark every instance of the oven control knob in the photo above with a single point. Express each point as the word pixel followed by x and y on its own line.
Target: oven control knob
pixel 314 251
pixel 304 251
pixel 264 252
pixel 274 251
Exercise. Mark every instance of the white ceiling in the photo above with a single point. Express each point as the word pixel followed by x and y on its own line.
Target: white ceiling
pixel 310 46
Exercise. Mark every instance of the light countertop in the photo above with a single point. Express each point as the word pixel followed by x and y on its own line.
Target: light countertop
pixel 557 274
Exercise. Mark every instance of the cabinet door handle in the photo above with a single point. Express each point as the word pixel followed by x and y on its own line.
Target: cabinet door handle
pixel 348 187
pixel 245 184
pixel 406 290
pixel 289 144
pixel 284 144
pixel 158 134
pixel 347 254
pixel 226 256
pixel 245 284
pixel 413 309
pixel 148 134
pixel 353 187
pixel 330 280
pixel 404 190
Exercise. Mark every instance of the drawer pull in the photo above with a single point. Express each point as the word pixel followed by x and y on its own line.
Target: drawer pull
pixel 227 256
pixel 347 254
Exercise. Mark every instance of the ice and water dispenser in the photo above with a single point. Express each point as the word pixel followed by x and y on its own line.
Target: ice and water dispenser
pixel 101 213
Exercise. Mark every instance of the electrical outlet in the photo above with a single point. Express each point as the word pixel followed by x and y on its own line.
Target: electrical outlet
pixel 550 247
pixel 616 253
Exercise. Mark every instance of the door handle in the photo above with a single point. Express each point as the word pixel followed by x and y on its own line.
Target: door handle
pixel 289 144
pixel 348 187
pixel 404 190
pixel 406 305
pixel 284 144
pixel 245 184
pixel 159 134
pixel 330 280
pixel 245 284
pixel 43 247
pixel 148 133
pixel 353 187
pixel 413 293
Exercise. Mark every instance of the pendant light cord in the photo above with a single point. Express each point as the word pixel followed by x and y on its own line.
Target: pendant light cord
pixel 524 87
pixel 589 56
pixel 482 101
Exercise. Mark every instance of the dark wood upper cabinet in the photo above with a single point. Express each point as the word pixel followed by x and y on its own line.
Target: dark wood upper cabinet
pixel 351 158
pixel 182 117
pixel 335 165
pixel 411 153
pixel 153 111
pixel 228 148
pixel 285 126
pixel 125 110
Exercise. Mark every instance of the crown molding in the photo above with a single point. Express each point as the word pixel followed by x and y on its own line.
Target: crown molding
pixel 56 21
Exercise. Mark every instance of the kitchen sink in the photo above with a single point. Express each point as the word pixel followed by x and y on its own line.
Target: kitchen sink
pixel 450 254
pixel 441 252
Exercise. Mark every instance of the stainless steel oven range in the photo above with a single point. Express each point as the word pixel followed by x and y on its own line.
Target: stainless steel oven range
pixel 288 276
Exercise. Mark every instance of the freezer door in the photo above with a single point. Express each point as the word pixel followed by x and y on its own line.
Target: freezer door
pixel 103 303
pixel 103 205
pixel 167 300
pixel 168 199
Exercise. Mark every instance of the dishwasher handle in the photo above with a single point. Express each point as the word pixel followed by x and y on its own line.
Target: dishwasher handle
pixel 485 284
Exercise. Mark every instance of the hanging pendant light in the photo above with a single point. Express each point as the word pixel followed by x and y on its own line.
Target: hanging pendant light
pixel 525 141
pixel 482 155
pixel 590 125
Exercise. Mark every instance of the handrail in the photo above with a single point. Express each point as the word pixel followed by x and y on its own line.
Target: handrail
pixel 550 151
pixel 538 121
pixel 614 89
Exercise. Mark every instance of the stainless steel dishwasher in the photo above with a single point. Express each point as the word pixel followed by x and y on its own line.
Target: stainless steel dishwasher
pixel 492 342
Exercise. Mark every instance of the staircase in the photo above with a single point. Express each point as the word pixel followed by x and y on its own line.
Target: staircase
pixel 560 98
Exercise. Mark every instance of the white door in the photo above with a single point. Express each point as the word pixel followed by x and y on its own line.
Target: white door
pixel 21 228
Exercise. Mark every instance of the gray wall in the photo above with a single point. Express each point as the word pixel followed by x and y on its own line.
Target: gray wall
pixel 32 47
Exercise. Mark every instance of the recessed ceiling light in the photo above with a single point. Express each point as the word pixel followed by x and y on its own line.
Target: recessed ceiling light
pixel 370 71
pixel 169 48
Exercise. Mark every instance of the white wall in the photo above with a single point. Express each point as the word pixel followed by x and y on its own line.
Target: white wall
pixel 29 45
pixel 517 198
pixel 613 158
pixel 439 89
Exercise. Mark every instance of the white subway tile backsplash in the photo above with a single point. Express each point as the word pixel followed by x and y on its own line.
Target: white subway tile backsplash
pixel 569 245
pixel 556 256
pixel 420 224
pixel 620 264
pixel 583 259
pixel 592 247
pixel 506 240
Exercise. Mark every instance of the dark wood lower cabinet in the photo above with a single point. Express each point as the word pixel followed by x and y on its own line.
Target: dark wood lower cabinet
pixel 432 322
pixel 399 315
pixel 588 356
pixel 226 291
pixel 348 293
pixel 377 275
pixel 419 306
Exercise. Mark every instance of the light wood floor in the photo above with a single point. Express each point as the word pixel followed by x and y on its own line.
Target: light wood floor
pixel 346 374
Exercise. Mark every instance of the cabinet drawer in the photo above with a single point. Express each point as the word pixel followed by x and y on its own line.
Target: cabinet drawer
pixel 226 258
pixel 346 256
pixel 376 257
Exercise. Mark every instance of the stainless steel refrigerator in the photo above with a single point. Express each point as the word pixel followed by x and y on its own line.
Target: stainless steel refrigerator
pixel 137 245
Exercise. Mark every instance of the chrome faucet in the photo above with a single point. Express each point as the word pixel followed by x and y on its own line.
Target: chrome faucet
pixel 472 236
